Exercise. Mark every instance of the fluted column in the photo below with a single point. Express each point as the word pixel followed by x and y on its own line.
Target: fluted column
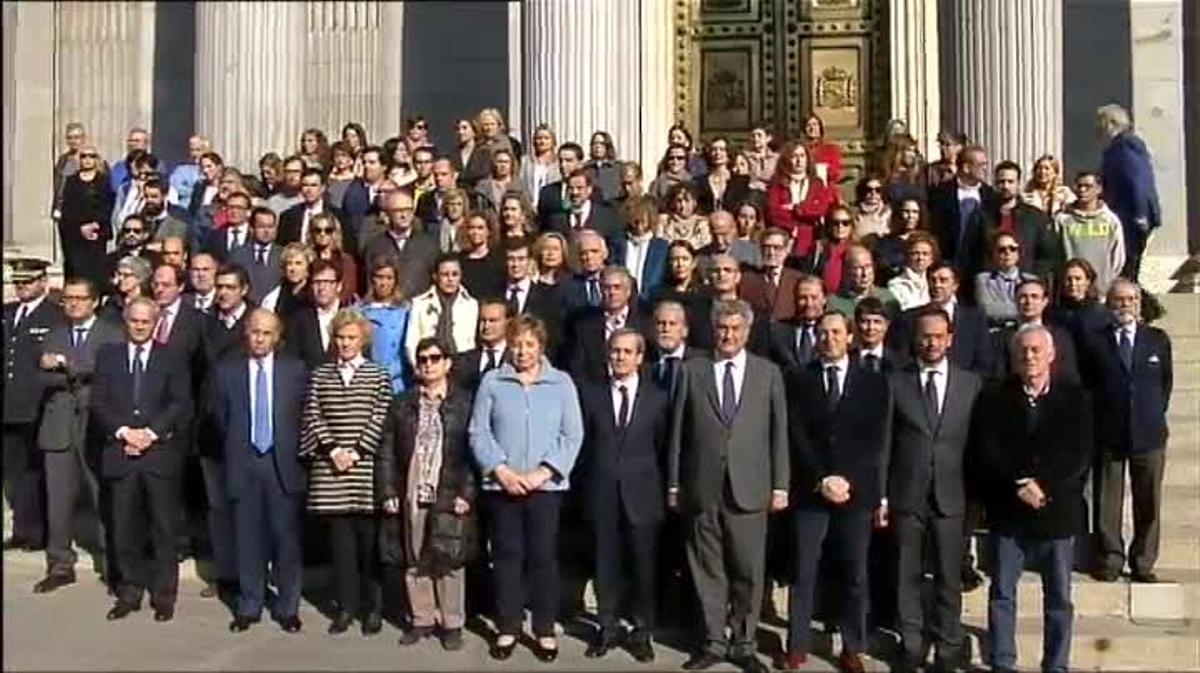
pixel 250 59
pixel 353 66
pixel 1009 66
pixel 586 69
pixel 913 33
pixel 657 80
pixel 104 69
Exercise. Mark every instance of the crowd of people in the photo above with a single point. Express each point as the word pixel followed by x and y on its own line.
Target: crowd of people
pixel 473 376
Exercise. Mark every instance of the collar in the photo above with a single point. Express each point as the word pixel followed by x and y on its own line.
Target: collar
pixel 86 325
pixel 498 348
pixel 131 348
pixel 172 308
pixel 31 305
pixel 876 351
pixel 242 228
pixel 397 237
pixel 1011 274
pixel 1038 393
pixel 640 240
pixel 332 311
pixel 207 298
pixel 523 285
pixel 678 352
pixel 622 315
pixel 230 318
pixel 739 360
pixel 630 382
pixel 268 360
pixel 966 188
pixel 317 207
pixel 842 363
pixel 942 368
pixel 353 363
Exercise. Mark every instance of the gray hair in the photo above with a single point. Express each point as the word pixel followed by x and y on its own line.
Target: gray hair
pixel 1113 116
pixel 140 301
pixel 731 307
pixel 1031 328
pixel 593 234
pixel 628 332
pixel 620 271
pixel 135 265
pixel 670 305
pixel 1121 281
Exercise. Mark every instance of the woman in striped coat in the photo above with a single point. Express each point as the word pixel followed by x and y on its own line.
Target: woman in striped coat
pixel 348 401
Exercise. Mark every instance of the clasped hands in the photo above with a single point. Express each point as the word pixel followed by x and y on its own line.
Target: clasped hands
pixel 1031 493
pixel 135 441
pixel 343 459
pixel 516 483
pixel 835 489
pixel 392 506
pixel 51 361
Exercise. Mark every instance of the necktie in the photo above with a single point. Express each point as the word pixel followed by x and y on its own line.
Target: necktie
pixel 728 395
pixel 833 391
pixel 576 220
pixel 774 277
pixel 261 435
pixel 593 292
pixel 514 301
pixel 491 360
pixel 80 337
pixel 623 414
pixel 805 349
pixel 160 332
pixel 666 372
pixel 236 239
pixel 21 311
pixel 1125 349
pixel 872 361
pixel 262 255
pixel 138 369
pixel 931 395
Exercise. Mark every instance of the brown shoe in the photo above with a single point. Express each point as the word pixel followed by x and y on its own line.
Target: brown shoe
pixel 850 662
pixel 794 660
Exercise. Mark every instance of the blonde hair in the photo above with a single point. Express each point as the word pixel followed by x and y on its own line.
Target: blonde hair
pixel 494 114
pixel 352 316
pixel 328 218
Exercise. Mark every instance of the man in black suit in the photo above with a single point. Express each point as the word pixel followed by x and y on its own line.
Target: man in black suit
pixel 523 296
pixel 1032 300
pixel 359 200
pixel 27 323
pixel 839 426
pixel 490 347
pixel 141 404
pixel 293 222
pixel 793 342
pixel 261 257
pixel 586 349
pixel 552 199
pixel 256 405
pixel 1130 373
pixel 201 291
pixel 582 289
pixel 415 251
pixel 625 421
pixel 308 335
pixel 933 401
pixel 955 208
pixel 584 212
pixel 1034 447
pixel 972 347
pixel 670 345
pixel 222 243
pixel 870 350
pixel 67 361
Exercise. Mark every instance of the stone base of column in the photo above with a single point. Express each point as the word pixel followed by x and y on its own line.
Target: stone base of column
pixel 1170 273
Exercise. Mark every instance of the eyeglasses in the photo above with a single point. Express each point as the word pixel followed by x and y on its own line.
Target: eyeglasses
pixel 1007 248
pixel 431 359
pixel 841 223
pixel 420 125
pixel 676 158
pixel 89 155
pixel 874 189
pixel 76 297
pixel 133 231
pixel 323 230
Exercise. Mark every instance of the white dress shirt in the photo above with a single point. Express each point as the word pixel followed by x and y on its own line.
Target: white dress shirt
pixel 25 309
pixel 230 319
pixel 876 351
pixel 739 375
pixel 1129 328
pixel 498 349
pixel 631 386
pixel 637 248
pixel 309 211
pixel 579 216
pixel 346 368
pixel 613 323
pixel 131 353
pixel 325 321
pixel 843 367
pixel 797 191
pixel 205 301
pixel 939 380
pixel 236 237
pixel 522 287
pixel 966 192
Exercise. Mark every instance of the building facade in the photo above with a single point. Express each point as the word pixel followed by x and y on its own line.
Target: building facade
pixel 253 75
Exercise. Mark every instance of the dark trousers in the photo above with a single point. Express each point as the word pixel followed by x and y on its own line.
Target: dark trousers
pixel 1135 246
pixel 881 577
pixel 1053 559
pixel 267 520
pixel 524 538
pixel 943 627
pixel 726 554
pixel 219 516
pixel 626 558
pixel 849 535
pixel 144 501
pixel 1145 481
pixel 354 546
pixel 23 482
pixel 67 473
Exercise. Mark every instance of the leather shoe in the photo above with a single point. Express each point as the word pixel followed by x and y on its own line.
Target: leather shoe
pixel 341 622
pixel 749 664
pixel 451 639
pixel 1105 575
pixel 1144 578
pixel 701 661
pixel 794 659
pixel 241 623
pixel 545 654
pixel 605 641
pixel 415 635
pixel 290 624
pixel 52 582
pixel 122 610
pixel 641 649
pixel 850 662
pixel 971 580
pixel 209 591
pixel 14 543
pixel 164 614
pixel 502 652
pixel 372 623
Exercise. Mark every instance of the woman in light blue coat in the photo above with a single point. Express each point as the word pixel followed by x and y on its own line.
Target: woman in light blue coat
pixel 388 312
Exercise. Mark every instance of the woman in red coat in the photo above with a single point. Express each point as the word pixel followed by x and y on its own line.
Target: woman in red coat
pixel 797 199
pixel 826 154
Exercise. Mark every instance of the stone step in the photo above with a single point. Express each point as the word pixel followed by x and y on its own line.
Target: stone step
pixel 1185 405
pixel 1183 313
pixel 1166 601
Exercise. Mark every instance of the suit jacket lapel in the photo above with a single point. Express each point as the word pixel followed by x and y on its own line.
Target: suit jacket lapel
pixel 916 398
pixel 714 398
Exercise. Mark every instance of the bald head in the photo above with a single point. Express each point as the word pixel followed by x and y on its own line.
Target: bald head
pixel 724 229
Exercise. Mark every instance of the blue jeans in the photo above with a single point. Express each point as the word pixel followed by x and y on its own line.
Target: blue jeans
pixel 1053 559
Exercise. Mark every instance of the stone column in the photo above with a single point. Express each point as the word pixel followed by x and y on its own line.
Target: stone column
pixel 658 83
pixel 591 66
pixel 913 36
pixel 104 69
pixel 1156 28
pixel 250 59
pixel 1008 58
pixel 353 66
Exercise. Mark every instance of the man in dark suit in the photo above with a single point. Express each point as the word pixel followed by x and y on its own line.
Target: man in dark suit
pixel 201 291
pixel 1034 448
pixel 1032 300
pixel 223 242
pixel 67 361
pixel 770 290
pixel 523 296
pixel 871 322
pixel 552 199
pixel 141 404
pixel 359 199
pixel 586 349
pixel 670 345
pixel 582 289
pixel 256 405
pixel 588 213
pixel 793 342
pixel 27 323
pixel 1130 373
pixel 727 467
pixel 625 422
pixel 261 257
pixel 839 426
pixel 933 401
pixel 490 347
pixel 972 347
pixel 955 207
pixel 308 335
pixel 415 251
pixel 293 222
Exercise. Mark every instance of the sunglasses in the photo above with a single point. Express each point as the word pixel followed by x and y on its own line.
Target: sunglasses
pixel 841 223
pixel 132 231
pixel 1007 248
pixel 674 158
pixel 431 359
pixel 89 155
pixel 872 189
pixel 420 125
pixel 323 230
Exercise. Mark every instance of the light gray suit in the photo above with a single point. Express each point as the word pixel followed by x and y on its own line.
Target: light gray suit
pixel 263 278
pixel 725 474
pixel 71 451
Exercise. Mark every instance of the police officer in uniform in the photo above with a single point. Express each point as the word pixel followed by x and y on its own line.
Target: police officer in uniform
pixel 27 323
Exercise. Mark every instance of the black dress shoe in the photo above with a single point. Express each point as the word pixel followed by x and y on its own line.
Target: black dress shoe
pixel 545 655
pixel 1144 578
pixel 14 543
pixel 701 661
pixel 452 639
pixel 164 614
pixel 971 580
pixel 122 610
pixel 209 591
pixel 415 635
pixel 1105 575
pixel 290 624
pixel 341 622
pixel 606 640
pixel 749 664
pixel 372 624
pixel 52 582
pixel 642 650
pixel 241 623
pixel 502 652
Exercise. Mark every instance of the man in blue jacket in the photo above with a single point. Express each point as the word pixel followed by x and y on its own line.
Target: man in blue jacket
pixel 1128 179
